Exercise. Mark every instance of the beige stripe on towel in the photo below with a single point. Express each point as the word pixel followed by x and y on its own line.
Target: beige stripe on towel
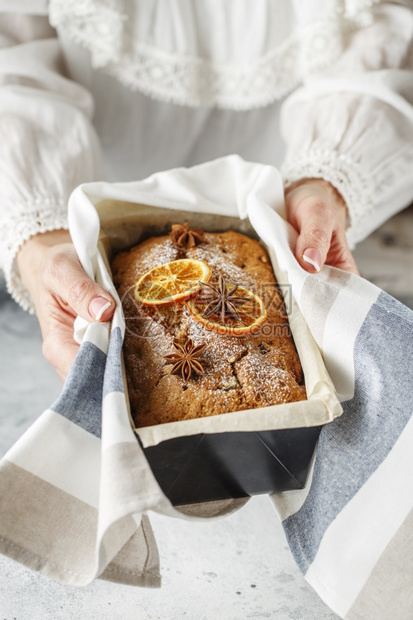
pixel 326 293
pixel 137 563
pixel 388 593
pixel 54 533
pixel 45 528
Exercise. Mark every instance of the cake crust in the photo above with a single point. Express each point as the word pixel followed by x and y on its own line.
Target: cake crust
pixel 255 370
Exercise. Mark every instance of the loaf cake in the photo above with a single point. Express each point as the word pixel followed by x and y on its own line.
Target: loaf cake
pixel 225 372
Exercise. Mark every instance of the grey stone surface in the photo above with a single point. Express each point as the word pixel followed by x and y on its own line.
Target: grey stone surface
pixel 27 383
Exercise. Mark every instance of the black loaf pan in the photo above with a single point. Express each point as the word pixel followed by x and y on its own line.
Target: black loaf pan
pixel 218 466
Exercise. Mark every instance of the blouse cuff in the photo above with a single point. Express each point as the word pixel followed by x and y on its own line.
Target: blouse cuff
pixel 39 217
pixel 342 172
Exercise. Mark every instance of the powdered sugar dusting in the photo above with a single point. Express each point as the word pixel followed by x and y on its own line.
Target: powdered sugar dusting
pixel 254 370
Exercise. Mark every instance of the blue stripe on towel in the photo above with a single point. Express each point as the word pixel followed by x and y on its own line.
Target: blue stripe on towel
pixel 81 397
pixel 354 445
pixel 113 375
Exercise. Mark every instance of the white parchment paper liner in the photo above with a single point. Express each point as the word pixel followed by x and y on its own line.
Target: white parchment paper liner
pixel 127 213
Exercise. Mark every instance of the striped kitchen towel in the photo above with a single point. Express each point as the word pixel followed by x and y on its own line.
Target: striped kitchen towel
pixel 76 488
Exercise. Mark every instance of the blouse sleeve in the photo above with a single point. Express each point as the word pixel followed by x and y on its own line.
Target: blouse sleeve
pixel 353 123
pixel 47 143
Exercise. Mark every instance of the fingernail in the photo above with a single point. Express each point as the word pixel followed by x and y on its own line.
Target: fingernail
pixel 98 306
pixel 313 256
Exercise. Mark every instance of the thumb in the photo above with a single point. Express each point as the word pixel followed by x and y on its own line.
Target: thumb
pixel 66 278
pixel 314 240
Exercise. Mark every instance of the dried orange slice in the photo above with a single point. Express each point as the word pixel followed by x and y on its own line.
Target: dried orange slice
pixel 172 282
pixel 251 314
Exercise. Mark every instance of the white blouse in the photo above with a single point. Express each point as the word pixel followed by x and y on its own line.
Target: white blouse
pixel 119 89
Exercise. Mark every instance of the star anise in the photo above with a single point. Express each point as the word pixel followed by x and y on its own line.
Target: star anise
pixel 222 300
pixel 186 359
pixel 185 237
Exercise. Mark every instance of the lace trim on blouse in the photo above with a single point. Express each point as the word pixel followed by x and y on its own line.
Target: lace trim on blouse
pixel 99 26
pixel 14 232
pixel 356 188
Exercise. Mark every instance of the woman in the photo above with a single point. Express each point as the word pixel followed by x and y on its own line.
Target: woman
pixel 180 83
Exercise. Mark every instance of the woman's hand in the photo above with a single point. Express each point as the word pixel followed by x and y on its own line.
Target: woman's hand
pixel 318 213
pixel 61 290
